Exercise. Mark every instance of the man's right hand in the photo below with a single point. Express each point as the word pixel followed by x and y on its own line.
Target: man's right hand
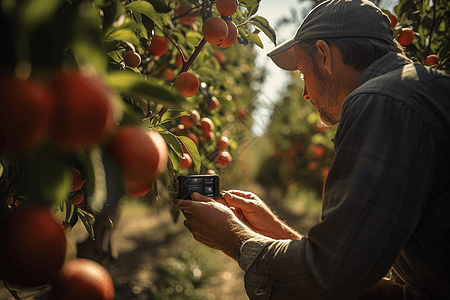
pixel 254 213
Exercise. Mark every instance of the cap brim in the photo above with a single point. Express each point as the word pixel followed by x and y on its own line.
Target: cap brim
pixel 283 55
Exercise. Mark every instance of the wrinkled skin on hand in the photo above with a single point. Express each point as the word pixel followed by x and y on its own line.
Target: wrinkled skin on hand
pixel 214 224
pixel 254 213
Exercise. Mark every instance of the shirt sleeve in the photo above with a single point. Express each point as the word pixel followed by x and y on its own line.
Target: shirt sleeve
pixel 374 196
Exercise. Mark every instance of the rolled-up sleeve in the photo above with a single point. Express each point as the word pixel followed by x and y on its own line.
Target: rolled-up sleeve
pixel 374 197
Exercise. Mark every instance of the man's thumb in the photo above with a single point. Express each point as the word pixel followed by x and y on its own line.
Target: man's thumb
pixel 199 197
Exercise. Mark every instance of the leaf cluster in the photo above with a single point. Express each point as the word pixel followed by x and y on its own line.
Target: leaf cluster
pixel 49 35
pixel 430 21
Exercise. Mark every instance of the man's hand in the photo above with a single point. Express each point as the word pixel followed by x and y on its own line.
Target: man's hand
pixel 213 224
pixel 254 213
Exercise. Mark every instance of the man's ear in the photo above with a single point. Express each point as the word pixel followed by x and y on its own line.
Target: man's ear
pixel 324 58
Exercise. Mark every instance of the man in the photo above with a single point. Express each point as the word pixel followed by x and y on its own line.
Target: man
pixel 386 200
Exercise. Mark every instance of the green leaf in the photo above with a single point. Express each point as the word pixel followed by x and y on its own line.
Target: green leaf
pixel 141 107
pixel 444 52
pixel 148 23
pixel 239 14
pixel 147 9
pixel 166 19
pixel 99 195
pixel 242 36
pixel 254 38
pixel 174 159
pixel 67 206
pixel 251 5
pixel 155 120
pixel 86 43
pixel 193 151
pixel 193 38
pixel 263 24
pixel 114 12
pixel 178 36
pixel 423 31
pixel 133 85
pixel 172 141
pixel 425 7
pixel 173 113
pixel 218 76
pixel 403 7
pixel 47 178
pixel 86 218
pixel 253 10
pixel 124 34
pixel 387 12
pixel 160 6
pixel 111 46
pixel 175 148
pixel 141 30
pixel 33 13
pixel 155 109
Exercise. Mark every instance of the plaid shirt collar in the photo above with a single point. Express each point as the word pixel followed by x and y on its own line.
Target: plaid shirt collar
pixel 389 62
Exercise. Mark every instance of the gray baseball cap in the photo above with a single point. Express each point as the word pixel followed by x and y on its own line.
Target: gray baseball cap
pixel 335 19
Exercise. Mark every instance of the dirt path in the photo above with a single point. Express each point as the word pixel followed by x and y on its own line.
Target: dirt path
pixel 147 240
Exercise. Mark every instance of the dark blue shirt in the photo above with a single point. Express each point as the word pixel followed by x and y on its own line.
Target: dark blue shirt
pixel 386 198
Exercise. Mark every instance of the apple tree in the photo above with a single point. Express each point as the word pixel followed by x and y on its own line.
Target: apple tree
pixel 426 22
pixel 103 100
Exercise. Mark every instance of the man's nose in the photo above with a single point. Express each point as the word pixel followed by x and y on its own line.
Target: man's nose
pixel 305 93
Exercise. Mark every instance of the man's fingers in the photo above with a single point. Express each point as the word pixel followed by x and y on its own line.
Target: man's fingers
pixel 230 197
pixel 188 205
pixel 185 206
pixel 239 214
pixel 222 201
pixel 237 200
pixel 242 194
pixel 199 197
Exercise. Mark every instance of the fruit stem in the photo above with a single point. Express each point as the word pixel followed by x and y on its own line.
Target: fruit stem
pixel 242 24
pixel 185 14
pixel 187 64
pixel 206 10
pixel 175 44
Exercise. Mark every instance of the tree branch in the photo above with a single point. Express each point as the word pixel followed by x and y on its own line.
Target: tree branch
pixel 198 48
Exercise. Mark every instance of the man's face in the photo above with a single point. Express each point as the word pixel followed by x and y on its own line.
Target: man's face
pixel 321 90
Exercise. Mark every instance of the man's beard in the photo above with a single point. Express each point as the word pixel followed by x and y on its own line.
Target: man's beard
pixel 329 92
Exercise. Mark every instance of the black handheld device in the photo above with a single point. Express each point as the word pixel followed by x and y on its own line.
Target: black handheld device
pixel 208 185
